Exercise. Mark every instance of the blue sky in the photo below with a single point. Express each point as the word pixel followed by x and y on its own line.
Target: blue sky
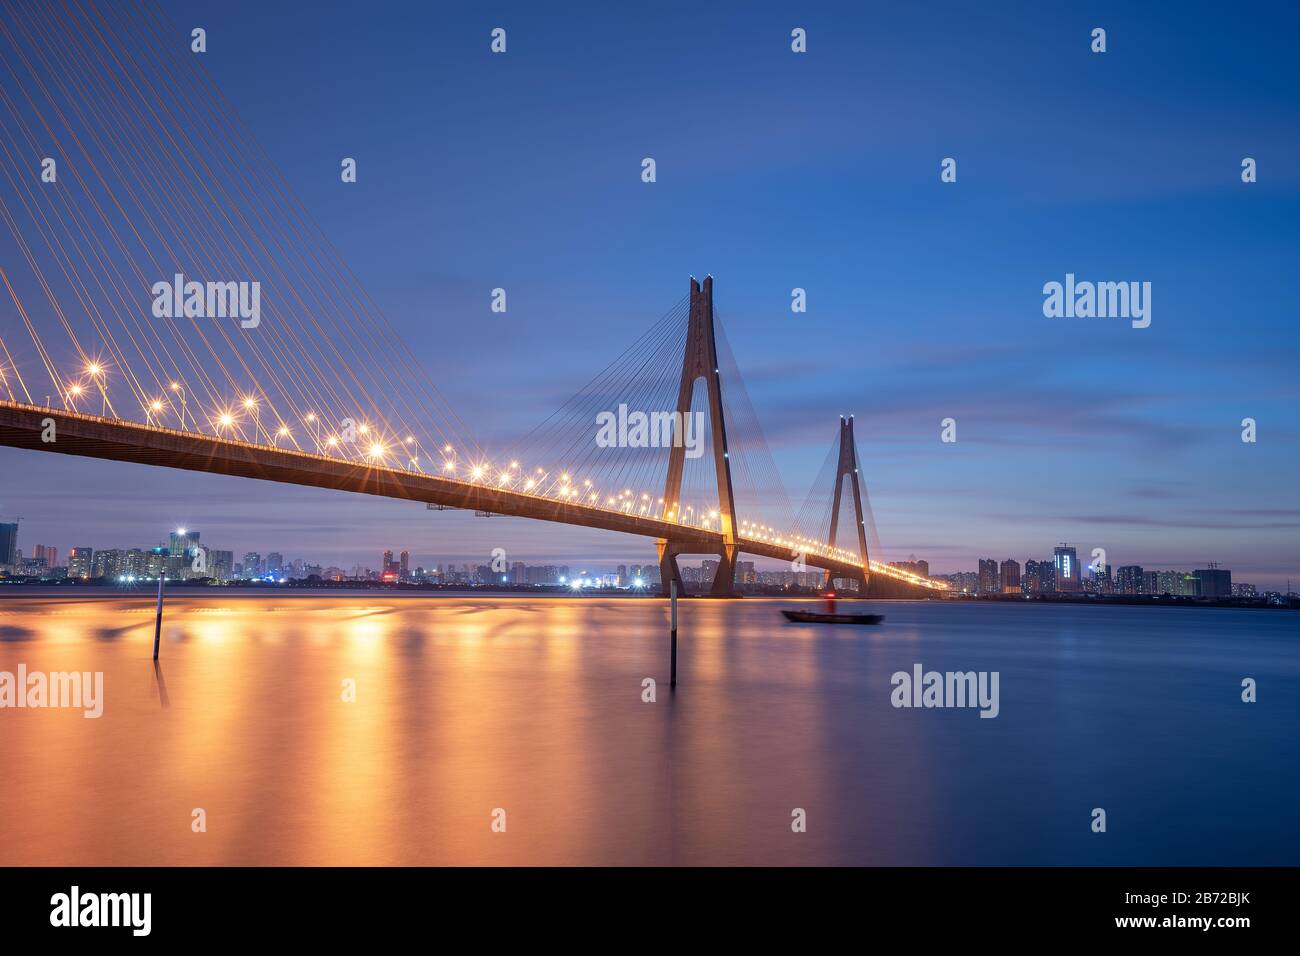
pixel 821 171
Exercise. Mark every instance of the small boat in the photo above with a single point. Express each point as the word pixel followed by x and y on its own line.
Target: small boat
pixel 813 617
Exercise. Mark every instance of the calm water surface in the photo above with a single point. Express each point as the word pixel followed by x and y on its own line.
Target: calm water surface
pixel 469 704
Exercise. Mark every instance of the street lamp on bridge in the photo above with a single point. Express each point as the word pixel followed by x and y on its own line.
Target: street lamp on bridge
pixel 179 389
pixel 98 376
pixel 250 406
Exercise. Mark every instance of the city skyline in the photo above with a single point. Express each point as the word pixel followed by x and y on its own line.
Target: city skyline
pixel 991 576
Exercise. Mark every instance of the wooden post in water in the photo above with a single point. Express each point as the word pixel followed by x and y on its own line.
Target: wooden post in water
pixel 157 626
pixel 672 679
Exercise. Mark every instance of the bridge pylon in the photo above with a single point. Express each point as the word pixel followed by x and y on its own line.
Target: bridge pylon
pixel 848 467
pixel 700 361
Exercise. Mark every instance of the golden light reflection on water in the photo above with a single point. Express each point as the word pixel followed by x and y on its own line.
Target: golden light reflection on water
pixel 462 706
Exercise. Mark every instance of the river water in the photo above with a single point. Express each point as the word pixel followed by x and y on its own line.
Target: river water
pixel 466 706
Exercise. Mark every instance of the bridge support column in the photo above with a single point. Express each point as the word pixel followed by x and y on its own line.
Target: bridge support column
pixel 700 361
pixel 724 582
pixel 848 468
pixel 669 572
pixel 859 579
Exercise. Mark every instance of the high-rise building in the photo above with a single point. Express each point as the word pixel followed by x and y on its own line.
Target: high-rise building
pixel 965 582
pixel 1130 579
pixel 116 563
pixel 1150 582
pixel 104 558
pixel 275 563
pixel 1213 582
pixel 392 570
pixel 1066 566
pixel 251 566
pixel 989 582
pixel 1010 576
pixel 1046 577
pixel 79 562
pixel 708 571
pixel 913 566
pixel 9 543
pixel 183 542
pixel 404 569
pixel 1169 582
pixel 50 554
pixel 158 561
pixel 221 565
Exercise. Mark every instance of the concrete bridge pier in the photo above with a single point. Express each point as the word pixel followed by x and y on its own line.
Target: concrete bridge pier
pixel 859 580
pixel 724 582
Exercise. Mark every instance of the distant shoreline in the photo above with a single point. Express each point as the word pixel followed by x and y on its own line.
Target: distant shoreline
pixel 362 588
pixel 1128 600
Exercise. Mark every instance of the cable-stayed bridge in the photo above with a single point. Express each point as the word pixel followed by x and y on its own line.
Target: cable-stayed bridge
pixel 168 301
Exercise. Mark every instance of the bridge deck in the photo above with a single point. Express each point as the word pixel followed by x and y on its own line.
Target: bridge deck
pixel 21 426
